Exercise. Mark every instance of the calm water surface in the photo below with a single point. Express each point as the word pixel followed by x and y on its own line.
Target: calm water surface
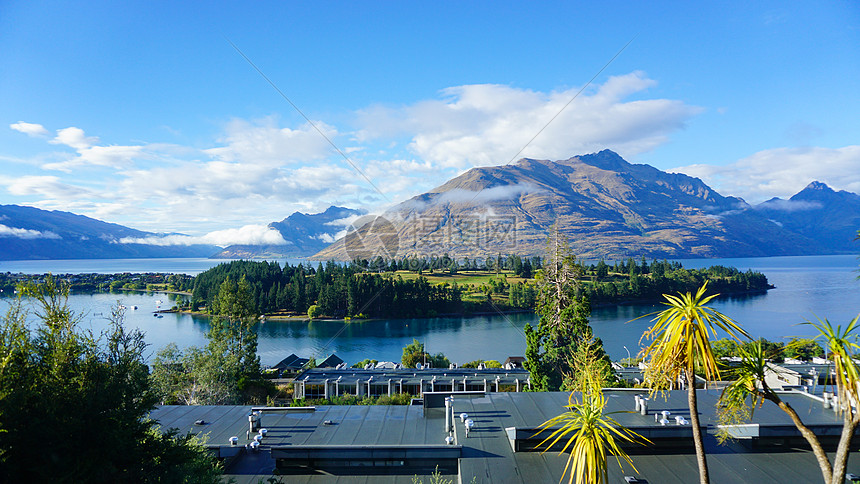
pixel 825 286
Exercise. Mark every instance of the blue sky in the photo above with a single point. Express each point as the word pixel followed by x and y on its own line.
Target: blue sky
pixel 145 115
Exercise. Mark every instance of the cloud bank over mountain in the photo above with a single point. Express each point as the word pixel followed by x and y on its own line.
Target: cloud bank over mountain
pixel 251 171
pixel 780 172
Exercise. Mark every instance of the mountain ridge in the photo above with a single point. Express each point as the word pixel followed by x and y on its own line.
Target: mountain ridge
pixel 304 234
pixel 29 233
pixel 828 217
pixel 607 207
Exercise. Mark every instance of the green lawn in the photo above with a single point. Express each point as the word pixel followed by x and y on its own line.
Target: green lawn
pixel 463 277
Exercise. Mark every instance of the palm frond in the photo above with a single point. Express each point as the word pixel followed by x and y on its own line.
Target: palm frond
pixel 842 347
pixel 680 335
pixel 590 434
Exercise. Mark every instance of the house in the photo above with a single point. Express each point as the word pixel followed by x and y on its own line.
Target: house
pixel 291 365
pixel 331 362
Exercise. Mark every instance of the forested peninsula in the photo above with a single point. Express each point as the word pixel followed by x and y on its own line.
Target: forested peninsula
pixel 440 286
pixel 412 287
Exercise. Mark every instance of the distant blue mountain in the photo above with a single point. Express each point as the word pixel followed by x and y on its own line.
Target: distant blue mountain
pixel 305 235
pixel 818 212
pixel 30 233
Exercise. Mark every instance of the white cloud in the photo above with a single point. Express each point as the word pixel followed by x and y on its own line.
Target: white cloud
pixel 258 171
pixel 74 138
pixel 788 205
pixel 263 142
pixel 501 192
pixel 488 124
pixel 43 186
pixel 327 238
pixel 477 198
pixel 30 129
pixel 247 235
pixel 88 152
pixel 346 221
pixel 782 172
pixel 108 156
pixel 20 233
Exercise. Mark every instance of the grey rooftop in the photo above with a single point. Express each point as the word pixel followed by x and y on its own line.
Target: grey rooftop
pixel 392 443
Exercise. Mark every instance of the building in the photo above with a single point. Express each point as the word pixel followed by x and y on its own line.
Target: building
pixel 290 365
pixel 815 375
pixel 331 362
pixel 377 443
pixel 328 382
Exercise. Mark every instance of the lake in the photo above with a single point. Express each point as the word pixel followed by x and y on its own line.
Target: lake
pixel 825 286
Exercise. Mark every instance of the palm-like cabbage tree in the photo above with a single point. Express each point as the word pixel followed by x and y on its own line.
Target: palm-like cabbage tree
pixel 841 344
pixel 589 432
pixel 750 384
pixel 680 343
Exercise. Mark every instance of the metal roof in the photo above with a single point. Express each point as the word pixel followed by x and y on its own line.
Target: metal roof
pixel 332 361
pixel 291 362
pixel 487 454
pixel 412 375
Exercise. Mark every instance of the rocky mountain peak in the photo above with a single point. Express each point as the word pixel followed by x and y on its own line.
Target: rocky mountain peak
pixel 605 205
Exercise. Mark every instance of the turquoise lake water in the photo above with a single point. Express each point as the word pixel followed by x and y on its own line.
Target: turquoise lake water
pixel 825 286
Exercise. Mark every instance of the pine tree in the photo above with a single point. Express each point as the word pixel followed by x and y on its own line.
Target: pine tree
pixel 563 324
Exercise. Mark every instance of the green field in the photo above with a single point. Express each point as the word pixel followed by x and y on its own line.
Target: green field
pixel 475 278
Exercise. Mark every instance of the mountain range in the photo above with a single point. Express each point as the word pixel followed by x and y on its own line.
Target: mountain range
pixel 31 233
pixel 608 208
pixel 827 217
pixel 304 234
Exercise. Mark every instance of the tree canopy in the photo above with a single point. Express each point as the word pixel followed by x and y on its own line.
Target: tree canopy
pixel 414 353
pixel 74 405
pixel 227 369
pixel 563 325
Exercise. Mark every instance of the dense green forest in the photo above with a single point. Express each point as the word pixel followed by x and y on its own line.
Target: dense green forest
pixel 337 290
pixel 429 287
pixel 630 280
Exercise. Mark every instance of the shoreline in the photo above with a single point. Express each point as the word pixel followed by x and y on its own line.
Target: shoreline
pixel 305 319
